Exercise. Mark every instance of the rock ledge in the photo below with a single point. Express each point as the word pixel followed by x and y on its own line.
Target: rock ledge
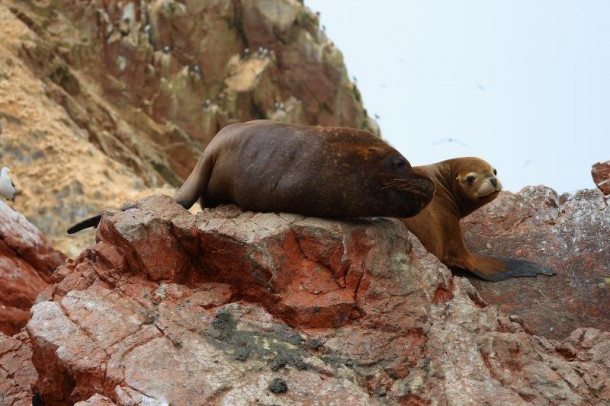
pixel 232 307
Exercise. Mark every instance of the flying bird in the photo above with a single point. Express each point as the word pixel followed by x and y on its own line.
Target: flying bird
pixel 449 140
pixel 7 189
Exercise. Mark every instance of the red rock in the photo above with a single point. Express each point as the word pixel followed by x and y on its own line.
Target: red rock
pixel 341 312
pixel 26 263
pixel 569 234
pixel 17 373
pixel 601 176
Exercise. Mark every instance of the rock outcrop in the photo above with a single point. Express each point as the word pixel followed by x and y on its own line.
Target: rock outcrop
pixel 26 263
pixel 105 102
pixel 569 233
pixel 233 307
pixel 601 176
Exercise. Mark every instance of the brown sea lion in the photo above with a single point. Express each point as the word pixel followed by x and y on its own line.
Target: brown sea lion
pixel 462 186
pixel 332 172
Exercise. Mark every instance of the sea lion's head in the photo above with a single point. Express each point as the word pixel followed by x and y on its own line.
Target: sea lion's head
pixel 360 175
pixel 475 183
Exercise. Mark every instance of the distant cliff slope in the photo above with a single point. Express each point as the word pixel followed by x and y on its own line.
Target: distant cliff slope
pixel 103 102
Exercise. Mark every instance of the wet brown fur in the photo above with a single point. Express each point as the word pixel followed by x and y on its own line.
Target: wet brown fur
pixel 316 171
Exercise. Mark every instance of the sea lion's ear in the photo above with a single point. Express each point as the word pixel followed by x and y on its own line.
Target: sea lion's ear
pixel 373 151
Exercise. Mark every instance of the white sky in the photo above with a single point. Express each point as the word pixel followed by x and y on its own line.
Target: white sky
pixel 523 84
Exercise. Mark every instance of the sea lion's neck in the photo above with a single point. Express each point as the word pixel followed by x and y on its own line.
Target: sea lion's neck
pixel 444 186
pixel 445 189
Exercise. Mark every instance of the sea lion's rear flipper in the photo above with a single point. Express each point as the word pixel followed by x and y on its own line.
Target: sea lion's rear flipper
pixel 193 189
pixel 496 268
pixel 197 182
pixel 94 221
pixel 90 222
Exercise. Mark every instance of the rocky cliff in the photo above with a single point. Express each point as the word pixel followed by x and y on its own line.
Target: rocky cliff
pixel 233 307
pixel 107 101
pixel 102 102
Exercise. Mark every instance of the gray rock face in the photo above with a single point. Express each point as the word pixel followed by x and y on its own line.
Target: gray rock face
pixel 569 233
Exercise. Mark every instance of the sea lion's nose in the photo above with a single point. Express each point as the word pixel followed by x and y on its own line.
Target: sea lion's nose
pixel 494 181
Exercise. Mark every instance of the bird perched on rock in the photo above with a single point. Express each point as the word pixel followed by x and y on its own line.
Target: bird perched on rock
pixel 7 189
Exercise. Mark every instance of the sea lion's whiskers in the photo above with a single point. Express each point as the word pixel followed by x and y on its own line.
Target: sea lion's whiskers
pixel 405 185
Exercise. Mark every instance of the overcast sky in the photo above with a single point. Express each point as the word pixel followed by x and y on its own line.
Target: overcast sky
pixel 524 84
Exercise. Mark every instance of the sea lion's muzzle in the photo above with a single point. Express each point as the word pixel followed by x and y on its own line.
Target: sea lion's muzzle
pixel 424 187
pixel 413 192
pixel 414 183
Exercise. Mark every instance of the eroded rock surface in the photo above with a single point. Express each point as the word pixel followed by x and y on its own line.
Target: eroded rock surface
pixel 17 373
pixel 232 307
pixel 569 233
pixel 27 261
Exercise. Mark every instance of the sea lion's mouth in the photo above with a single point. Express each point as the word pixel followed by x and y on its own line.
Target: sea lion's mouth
pixel 491 193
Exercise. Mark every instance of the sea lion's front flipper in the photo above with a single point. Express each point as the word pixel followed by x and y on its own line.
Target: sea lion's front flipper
pixel 496 268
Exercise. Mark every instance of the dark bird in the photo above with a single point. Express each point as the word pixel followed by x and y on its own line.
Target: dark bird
pixel 450 140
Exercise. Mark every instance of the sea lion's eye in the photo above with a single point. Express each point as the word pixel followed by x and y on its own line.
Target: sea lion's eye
pixel 399 163
pixel 470 179
pixel 495 172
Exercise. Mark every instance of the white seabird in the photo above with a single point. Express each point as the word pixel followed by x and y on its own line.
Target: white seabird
pixel 7 189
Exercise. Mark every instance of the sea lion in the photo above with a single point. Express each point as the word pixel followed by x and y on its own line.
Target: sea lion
pixel 332 172
pixel 462 186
